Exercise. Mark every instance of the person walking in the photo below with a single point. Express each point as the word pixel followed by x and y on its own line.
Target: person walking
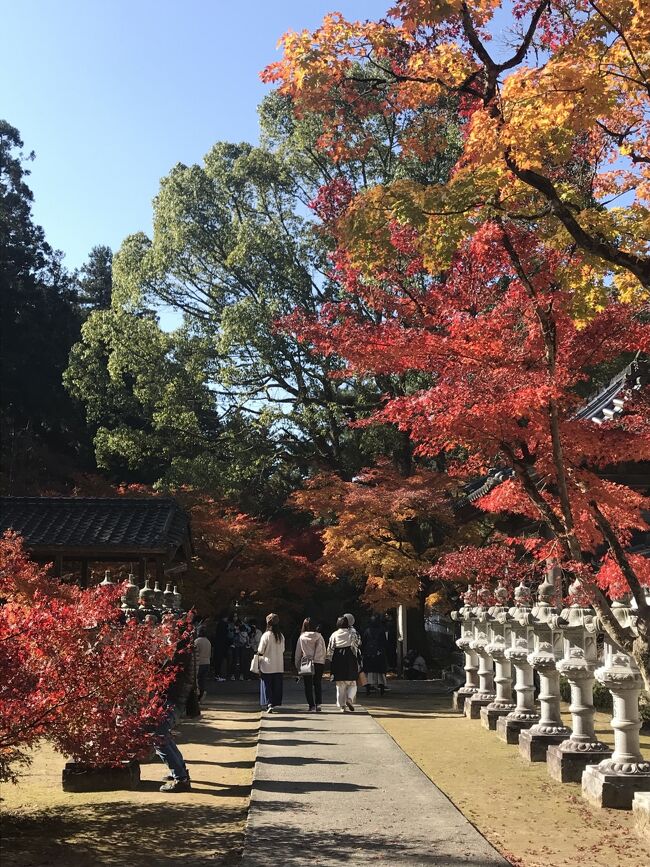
pixel 310 648
pixel 343 651
pixel 271 653
pixel 375 662
pixel 203 650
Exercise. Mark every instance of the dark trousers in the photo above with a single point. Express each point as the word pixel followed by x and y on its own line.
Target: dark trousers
pixel 220 658
pixel 273 684
pixel 202 677
pixel 313 685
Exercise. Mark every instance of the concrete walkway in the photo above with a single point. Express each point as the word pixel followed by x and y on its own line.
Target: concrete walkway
pixel 334 789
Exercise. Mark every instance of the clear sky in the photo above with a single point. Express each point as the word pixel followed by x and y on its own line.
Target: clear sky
pixel 112 93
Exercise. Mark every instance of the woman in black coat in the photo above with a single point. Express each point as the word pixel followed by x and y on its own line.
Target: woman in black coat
pixel 375 660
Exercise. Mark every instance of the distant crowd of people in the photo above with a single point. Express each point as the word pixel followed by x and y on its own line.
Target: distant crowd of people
pixel 231 648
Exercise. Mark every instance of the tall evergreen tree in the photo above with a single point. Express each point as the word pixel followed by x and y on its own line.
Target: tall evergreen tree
pixel 39 323
pixel 95 280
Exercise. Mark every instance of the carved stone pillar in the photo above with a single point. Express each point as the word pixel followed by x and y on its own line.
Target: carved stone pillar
pixel 502 703
pixel 550 729
pixel 524 715
pixel 465 617
pixel 479 644
pixel 533 742
pixel 566 762
pixel 614 781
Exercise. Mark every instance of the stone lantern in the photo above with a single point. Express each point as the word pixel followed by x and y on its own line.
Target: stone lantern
pixel 158 596
pixel 566 761
pixel 108 579
pixel 479 644
pixel 465 617
pixel 614 781
pixel 524 714
pixel 130 597
pixel 502 704
pixel 146 594
pixel 534 741
pixel 178 601
pixel 168 598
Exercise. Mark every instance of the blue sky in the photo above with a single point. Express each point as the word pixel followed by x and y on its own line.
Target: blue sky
pixel 112 93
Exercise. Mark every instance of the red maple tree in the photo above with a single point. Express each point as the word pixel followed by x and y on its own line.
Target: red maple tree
pixel 71 671
pixel 507 364
pixel 239 557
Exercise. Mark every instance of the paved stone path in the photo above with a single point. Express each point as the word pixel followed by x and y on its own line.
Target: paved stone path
pixel 334 789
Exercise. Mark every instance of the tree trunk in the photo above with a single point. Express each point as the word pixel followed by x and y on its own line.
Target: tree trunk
pixel 641 654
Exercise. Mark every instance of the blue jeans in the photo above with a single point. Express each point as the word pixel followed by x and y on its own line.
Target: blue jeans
pixel 167 750
pixel 273 684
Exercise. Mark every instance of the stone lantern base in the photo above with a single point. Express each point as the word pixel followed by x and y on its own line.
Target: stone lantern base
pixel 459 696
pixel 566 762
pixel 534 742
pixel 77 777
pixel 491 714
pixel 510 727
pixel 607 788
pixel 475 702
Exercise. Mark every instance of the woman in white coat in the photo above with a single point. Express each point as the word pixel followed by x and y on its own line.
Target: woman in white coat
pixel 271 658
pixel 343 650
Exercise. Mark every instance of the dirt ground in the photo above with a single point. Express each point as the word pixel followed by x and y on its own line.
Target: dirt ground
pixel 43 826
pixel 531 819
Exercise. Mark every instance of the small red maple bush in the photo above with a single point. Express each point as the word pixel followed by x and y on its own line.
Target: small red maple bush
pixel 71 672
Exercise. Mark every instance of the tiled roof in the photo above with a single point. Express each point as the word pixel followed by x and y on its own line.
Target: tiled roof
pixel 610 400
pixel 101 523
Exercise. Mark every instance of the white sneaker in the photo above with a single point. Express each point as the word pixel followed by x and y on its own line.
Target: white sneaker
pixel 270 709
pixel 341 710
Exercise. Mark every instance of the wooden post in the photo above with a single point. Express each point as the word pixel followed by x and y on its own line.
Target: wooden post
pixel 84 572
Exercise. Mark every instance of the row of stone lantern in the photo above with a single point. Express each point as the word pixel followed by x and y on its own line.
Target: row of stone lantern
pixel 146 600
pixel 541 638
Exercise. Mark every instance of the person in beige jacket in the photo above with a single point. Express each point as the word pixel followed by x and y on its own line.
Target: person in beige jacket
pixel 271 653
pixel 311 648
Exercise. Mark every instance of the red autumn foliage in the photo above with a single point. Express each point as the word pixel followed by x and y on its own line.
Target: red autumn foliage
pixel 71 672
pixel 507 360
pixel 240 557
pixel 493 564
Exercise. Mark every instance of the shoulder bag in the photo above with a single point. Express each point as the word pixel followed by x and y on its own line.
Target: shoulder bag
pixel 306 667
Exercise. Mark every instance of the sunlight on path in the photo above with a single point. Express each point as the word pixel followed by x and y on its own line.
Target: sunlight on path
pixel 335 788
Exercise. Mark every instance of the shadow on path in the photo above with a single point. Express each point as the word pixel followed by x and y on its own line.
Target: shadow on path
pixel 296 760
pixel 345 846
pixel 297 787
